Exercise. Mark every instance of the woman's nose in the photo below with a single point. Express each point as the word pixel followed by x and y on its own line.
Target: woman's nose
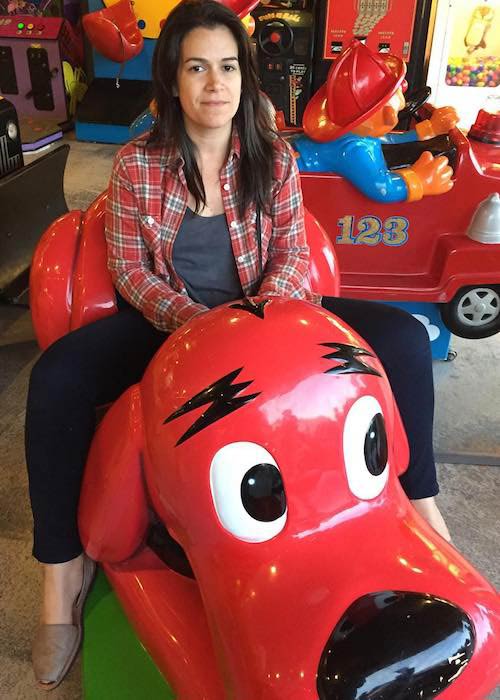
pixel 214 79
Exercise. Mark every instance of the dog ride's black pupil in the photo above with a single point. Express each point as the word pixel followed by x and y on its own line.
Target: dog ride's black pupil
pixel 376 446
pixel 262 493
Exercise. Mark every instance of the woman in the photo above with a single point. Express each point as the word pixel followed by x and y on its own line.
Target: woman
pixel 181 224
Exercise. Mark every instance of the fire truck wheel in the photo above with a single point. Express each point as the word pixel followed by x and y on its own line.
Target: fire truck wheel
pixel 474 312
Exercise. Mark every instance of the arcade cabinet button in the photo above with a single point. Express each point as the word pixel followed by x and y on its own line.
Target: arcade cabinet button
pixel 30 26
pixel 20 26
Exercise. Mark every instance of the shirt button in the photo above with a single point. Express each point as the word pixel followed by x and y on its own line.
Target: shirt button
pixel 150 220
pixel 234 224
pixel 241 258
pixel 226 187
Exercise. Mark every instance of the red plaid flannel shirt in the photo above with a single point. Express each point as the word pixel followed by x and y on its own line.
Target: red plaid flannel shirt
pixel 146 203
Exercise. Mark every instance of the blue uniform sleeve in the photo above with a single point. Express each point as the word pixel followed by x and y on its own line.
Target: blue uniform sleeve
pixel 360 160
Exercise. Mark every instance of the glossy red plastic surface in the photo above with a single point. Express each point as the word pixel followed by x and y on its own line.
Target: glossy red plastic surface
pixel 249 384
pixel 114 534
pixel 486 128
pixel 437 258
pixel 93 292
pixel 241 7
pixel 323 276
pixel 157 598
pixel 359 83
pixel 113 32
pixel 51 278
pixel 70 285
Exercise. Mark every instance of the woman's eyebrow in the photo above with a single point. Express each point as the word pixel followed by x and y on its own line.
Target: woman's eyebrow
pixel 205 60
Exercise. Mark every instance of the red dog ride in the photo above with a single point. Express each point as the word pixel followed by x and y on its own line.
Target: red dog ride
pixel 265 439
pixel 317 552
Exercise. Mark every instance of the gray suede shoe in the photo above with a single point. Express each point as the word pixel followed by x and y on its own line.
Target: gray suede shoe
pixel 56 646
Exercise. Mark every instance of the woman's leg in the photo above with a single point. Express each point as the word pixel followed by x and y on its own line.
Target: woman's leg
pixel 402 345
pixel 88 367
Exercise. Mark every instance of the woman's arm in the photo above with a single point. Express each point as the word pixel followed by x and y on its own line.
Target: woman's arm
pixel 130 263
pixel 288 253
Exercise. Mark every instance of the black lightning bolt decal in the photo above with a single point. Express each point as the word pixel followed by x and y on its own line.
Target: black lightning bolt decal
pixel 222 395
pixel 348 354
pixel 254 307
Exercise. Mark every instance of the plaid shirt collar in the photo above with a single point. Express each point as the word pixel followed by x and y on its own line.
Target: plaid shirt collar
pixel 172 159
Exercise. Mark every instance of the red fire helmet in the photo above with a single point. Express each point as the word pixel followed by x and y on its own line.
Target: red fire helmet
pixel 359 83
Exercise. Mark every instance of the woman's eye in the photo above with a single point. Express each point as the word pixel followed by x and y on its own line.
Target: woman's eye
pixel 365 448
pixel 196 69
pixel 248 491
pixel 229 68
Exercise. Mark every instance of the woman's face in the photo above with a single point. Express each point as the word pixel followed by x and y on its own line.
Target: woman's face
pixel 209 80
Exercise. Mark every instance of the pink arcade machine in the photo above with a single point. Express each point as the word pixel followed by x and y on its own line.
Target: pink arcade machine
pixel 35 55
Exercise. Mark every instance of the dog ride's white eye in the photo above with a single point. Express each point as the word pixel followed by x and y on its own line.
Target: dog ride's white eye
pixel 365 448
pixel 248 491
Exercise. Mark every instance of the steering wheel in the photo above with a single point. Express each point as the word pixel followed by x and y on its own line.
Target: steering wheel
pixel 414 101
pixel 275 38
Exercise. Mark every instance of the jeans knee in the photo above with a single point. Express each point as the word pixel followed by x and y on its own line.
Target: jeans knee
pixel 54 376
pixel 417 334
pixel 409 334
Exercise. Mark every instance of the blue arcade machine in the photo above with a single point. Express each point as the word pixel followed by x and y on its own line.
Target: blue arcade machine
pixel 121 89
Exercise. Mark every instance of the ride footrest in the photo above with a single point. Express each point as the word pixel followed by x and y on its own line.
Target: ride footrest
pixel 115 664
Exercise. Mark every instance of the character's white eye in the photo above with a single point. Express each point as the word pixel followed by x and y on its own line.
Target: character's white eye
pixel 365 448
pixel 248 491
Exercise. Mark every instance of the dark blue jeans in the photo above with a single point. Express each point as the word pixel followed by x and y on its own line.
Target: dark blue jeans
pixel 95 364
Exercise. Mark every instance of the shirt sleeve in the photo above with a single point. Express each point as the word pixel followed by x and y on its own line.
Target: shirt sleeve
pixel 288 253
pixel 367 170
pixel 130 263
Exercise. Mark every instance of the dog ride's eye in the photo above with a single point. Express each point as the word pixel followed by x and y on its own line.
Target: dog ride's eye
pixel 365 448
pixel 248 491
pixel 262 493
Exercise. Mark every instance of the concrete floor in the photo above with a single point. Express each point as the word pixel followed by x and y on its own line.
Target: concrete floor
pixel 467 420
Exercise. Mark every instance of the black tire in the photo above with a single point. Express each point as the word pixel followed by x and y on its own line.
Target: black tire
pixel 474 312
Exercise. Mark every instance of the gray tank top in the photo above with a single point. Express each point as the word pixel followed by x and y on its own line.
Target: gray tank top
pixel 203 258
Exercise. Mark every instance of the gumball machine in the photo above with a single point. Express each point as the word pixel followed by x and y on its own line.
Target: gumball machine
pixel 464 65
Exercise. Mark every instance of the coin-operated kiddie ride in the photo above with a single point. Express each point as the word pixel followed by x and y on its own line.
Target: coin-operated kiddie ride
pixel 244 502
pixel 123 36
pixel 371 189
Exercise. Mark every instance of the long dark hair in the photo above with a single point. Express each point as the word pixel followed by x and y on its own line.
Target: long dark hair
pixel 253 120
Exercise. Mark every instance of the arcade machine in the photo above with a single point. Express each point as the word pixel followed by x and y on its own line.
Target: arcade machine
pixel 464 64
pixel 123 36
pixel 31 197
pixel 284 43
pixel 40 59
pixel 11 154
pixel 385 26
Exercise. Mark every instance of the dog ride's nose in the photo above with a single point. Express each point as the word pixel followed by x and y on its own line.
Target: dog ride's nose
pixel 395 645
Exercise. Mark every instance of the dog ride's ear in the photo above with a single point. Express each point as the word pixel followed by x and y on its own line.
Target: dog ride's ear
pixel 113 513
